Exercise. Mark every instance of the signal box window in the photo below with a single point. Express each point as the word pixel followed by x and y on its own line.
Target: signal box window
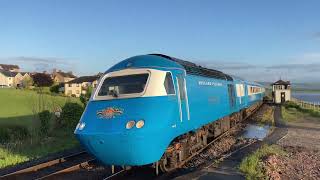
pixel 168 84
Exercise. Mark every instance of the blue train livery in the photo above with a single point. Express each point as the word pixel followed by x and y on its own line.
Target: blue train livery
pixel 144 103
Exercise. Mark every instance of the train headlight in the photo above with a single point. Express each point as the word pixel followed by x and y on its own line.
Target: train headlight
pixel 130 124
pixel 81 126
pixel 140 124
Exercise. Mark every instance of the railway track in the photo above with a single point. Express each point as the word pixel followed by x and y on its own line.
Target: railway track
pixel 53 167
pixel 149 173
pixel 81 160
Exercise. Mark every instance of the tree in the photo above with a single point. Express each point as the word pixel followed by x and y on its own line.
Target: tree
pixel 84 98
pixel 27 82
pixel 55 88
pixel 71 114
pixel 42 80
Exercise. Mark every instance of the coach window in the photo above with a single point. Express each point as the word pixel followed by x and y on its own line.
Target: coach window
pixel 168 84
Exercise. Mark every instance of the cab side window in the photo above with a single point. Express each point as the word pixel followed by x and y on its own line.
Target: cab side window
pixel 168 84
pixel 181 84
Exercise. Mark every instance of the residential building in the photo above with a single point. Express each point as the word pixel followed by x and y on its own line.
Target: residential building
pixel 80 85
pixel 9 67
pixel 62 77
pixel 7 78
pixel 13 79
pixel 22 79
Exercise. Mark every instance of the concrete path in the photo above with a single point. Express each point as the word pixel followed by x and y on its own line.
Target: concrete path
pixel 304 133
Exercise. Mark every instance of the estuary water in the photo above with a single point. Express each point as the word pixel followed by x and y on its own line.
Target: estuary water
pixel 307 96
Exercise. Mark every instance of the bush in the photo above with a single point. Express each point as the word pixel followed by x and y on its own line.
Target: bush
pixel 290 104
pixel 55 88
pixel 13 133
pixel 44 117
pixel 71 114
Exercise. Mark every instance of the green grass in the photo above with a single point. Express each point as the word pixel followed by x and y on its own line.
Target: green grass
pixel 18 108
pixel 293 112
pixel 305 90
pixel 35 147
pixel 267 117
pixel 290 114
pixel 252 165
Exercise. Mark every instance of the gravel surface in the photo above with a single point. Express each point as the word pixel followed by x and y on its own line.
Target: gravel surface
pixel 302 143
pixel 303 133
pixel 300 163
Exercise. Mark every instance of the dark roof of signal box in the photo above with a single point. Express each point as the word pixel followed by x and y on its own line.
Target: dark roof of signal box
pixel 281 82
pixel 83 79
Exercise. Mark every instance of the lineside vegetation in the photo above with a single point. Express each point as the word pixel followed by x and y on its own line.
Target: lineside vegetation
pixel 29 127
pixel 252 166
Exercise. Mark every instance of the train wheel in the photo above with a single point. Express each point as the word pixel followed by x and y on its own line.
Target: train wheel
pixel 167 165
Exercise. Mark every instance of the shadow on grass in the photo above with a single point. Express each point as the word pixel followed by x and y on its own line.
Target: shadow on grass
pixel 21 142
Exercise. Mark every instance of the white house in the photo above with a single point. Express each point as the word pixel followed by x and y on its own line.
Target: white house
pixel 80 85
pixel 13 79
pixel 7 78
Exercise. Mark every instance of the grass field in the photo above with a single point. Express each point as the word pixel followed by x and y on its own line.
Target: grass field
pixel 292 112
pixel 18 108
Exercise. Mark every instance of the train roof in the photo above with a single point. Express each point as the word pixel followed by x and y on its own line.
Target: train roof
pixel 170 62
pixel 195 69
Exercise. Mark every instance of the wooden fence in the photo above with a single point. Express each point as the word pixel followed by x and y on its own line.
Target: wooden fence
pixel 307 105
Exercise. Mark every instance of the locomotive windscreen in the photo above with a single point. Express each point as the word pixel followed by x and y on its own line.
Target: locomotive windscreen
pixel 129 84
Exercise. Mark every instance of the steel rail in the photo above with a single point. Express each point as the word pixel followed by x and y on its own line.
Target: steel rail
pixel 68 169
pixel 115 174
pixel 35 168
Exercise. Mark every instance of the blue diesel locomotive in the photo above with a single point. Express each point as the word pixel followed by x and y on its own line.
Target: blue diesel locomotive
pixel 156 109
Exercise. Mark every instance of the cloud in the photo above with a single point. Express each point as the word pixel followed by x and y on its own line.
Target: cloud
pixel 314 67
pixel 41 60
pixel 228 65
pixel 296 72
pixel 40 63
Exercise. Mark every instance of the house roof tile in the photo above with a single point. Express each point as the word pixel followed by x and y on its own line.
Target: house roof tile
pixel 8 73
pixel 83 79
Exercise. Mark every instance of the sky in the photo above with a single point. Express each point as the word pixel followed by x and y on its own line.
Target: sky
pixel 256 40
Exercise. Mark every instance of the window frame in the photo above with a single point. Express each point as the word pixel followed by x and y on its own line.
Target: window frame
pixel 181 79
pixel 96 96
pixel 172 80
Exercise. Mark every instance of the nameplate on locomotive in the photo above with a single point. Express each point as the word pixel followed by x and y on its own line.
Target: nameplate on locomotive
pixel 209 83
